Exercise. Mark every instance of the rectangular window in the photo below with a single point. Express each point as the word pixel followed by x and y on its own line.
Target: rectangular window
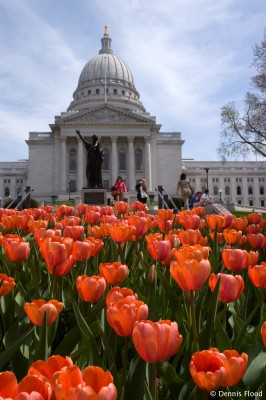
pixel 262 203
pixel 239 202
pixel 123 92
pixel 89 92
pixel 72 186
pixel 251 202
pixel 115 91
pixel 97 91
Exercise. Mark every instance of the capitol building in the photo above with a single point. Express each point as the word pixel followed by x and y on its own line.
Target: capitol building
pixel 107 103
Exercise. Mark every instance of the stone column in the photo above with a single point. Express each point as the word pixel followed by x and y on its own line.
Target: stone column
pixel 148 163
pixel 80 165
pixel 154 171
pixel 131 164
pixel 63 167
pixel 114 159
pixel 244 187
pixel 57 163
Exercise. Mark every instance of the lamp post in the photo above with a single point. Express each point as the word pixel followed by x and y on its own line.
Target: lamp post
pixel 220 194
pixel 207 172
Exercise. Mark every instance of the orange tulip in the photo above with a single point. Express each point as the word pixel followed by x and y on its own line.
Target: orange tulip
pixel 165 215
pixel 46 369
pixel 121 207
pixel 57 253
pixel 106 210
pixel 91 288
pixel 42 233
pixel 36 309
pixel 190 221
pixel 190 236
pixel 113 273
pixel 138 206
pixel 257 274
pixel 219 237
pixel 207 369
pixel 243 240
pixel 9 222
pixel 97 245
pixel 173 239
pixel 190 274
pixel 215 221
pixel 156 341
pixel 7 284
pixel 232 236
pixel 141 224
pixel 252 258
pixel 263 333
pixel 253 229
pixel 117 293
pixel 68 384
pixel 256 241
pixel 70 221
pixel 34 386
pixel 92 217
pixel 165 226
pixel 16 248
pixel 199 211
pixel 240 223
pixel 124 313
pixel 235 366
pixel 186 252
pixel 75 232
pixel 63 210
pixel 95 231
pixel 234 259
pixel 40 223
pixel 8 385
pixel 231 287
pixel 159 249
pixel 82 251
pixel 101 382
pixel 108 219
pixel 121 232
pixel 81 209
pixel 254 218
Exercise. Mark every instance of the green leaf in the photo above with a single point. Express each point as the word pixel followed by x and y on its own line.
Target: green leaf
pixel 243 330
pixel 87 335
pixel 206 333
pixel 255 373
pixel 41 352
pixel 221 338
pixel 147 393
pixel 135 383
pixel 7 354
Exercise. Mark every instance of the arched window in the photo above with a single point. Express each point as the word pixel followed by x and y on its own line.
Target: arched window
pixel 72 159
pixel 238 190
pixel 138 160
pixel 7 191
pixel 122 166
pixel 19 190
pixel 227 190
pixel 106 160
pixel 261 189
pixel 250 190
pixel 215 190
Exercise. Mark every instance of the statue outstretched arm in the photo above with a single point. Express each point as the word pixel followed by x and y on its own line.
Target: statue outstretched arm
pixel 81 137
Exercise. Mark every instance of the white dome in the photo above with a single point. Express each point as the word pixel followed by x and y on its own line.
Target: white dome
pixel 106 78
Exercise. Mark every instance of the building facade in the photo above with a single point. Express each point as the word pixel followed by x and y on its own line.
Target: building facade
pixel 106 103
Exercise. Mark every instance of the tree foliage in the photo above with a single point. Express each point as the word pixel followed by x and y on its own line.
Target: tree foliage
pixel 242 134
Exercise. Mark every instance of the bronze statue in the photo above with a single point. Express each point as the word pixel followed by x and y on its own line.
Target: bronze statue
pixel 94 162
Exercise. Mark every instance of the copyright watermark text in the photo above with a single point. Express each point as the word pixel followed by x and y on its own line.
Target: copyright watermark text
pixel 246 393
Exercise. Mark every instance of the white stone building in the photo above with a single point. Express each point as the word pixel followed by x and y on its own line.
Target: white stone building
pixel 106 103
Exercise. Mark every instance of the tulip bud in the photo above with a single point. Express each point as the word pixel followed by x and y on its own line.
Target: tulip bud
pixel 152 274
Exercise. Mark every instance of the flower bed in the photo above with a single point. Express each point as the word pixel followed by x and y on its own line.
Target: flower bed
pixel 115 303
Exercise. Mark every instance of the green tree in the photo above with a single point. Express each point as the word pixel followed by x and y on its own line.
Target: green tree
pixel 242 134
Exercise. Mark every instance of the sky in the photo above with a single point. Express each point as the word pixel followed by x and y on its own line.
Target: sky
pixel 188 60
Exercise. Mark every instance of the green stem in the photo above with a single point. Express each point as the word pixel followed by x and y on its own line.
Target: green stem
pixel 125 363
pixel 261 306
pixel 224 317
pixel 193 320
pixel 153 380
pixel 53 285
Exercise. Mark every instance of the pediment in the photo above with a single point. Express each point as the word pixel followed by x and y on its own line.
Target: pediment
pixel 106 115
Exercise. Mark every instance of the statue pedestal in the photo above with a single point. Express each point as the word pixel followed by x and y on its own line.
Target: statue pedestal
pixel 94 197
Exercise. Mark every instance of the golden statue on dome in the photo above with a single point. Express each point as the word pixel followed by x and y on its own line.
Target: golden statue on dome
pixel 106 29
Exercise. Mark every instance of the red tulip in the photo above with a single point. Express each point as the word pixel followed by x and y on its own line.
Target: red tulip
pixel 190 274
pixel 215 221
pixel 231 287
pixel 190 221
pixel 92 217
pixel 235 366
pixel 91 288
pixel 186 252
pixel 156 341
pixel 121 207
pixel 113 273
pixel 256 241
pixel 240 223
pixel 36 387
pixel 124 313
pixel 82 250
pixel 36 309
pixel 257 274
pixel 141 224
pixel 97 245
pixel 254 218
pixel 252 258
pixel 101 382
pixel 232 236
pixel 57 254
pixel 75 232
pixel 190 236
pixel 234 259
pixel 7 284
pixel 159 249
pixel 165 215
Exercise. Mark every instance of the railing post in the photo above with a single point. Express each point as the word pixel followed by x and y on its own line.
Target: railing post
pixel 27 200
pixel 160 201
pixel 165 197
pixel 19 201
